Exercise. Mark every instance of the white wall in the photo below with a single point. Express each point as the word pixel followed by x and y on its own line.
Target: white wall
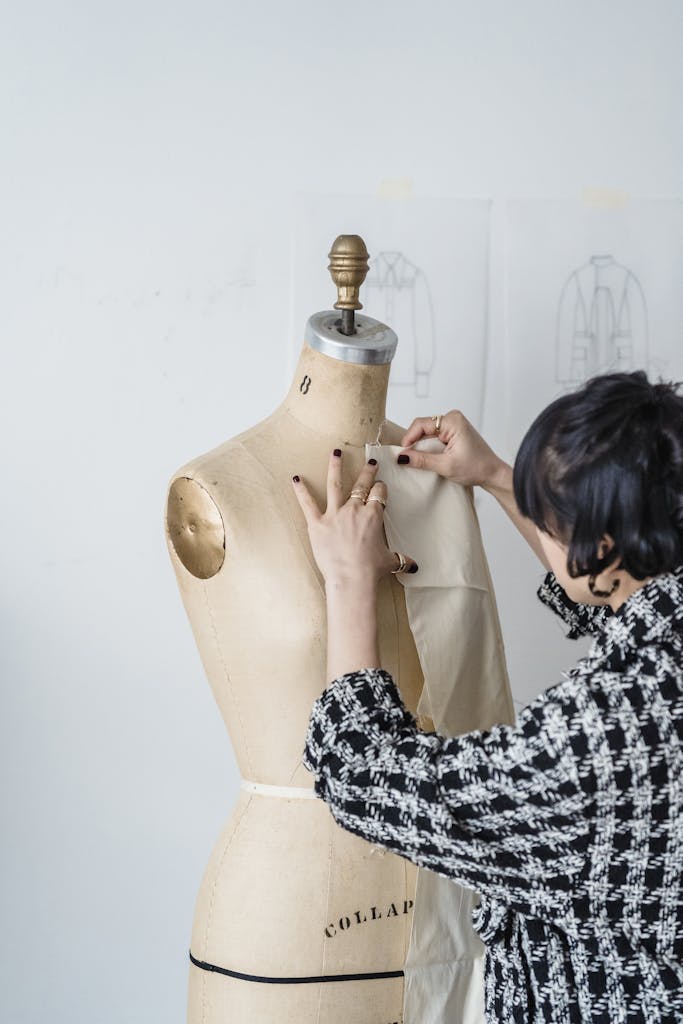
pixel 150 155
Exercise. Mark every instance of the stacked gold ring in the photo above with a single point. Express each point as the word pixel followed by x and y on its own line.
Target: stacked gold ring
pixel 376 497
pixel 402 562
pixel 437 422
pixel 360 492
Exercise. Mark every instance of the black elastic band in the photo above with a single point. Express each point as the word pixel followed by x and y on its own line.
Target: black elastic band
pixel 294 981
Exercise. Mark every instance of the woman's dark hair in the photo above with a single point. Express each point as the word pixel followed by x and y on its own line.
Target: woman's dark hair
pixel 608 459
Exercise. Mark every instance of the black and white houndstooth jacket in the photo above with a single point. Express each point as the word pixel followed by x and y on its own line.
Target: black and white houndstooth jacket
pixel 569 824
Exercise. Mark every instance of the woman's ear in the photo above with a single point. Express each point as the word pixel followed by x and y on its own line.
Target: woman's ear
pixel 604 548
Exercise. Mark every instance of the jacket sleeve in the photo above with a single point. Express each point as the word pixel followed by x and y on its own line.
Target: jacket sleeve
pixel 581 618
pixel 498 810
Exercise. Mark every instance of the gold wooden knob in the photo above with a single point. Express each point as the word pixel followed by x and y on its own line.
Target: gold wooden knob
pixel 348 266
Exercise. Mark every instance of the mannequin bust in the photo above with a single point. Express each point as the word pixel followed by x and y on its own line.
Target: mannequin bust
pixel 289 902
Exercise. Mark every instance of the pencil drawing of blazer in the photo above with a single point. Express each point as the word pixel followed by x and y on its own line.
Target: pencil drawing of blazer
pixel 601 322
pixel 399 295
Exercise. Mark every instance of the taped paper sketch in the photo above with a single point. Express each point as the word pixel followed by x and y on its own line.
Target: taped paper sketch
pixel 589 289
pixel 601 322
pixel 398 293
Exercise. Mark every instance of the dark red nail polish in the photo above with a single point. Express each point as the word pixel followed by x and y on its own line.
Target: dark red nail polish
pixel 413 568
pixel 295 479
pixel 402 459
pixel 337 451
pixel 372 462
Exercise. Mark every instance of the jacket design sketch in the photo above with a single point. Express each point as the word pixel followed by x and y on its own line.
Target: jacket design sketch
pixel 601 322
pixel 569 823
pixel 399 295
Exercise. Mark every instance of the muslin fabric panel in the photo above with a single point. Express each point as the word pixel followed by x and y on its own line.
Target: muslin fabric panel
pixel 454 621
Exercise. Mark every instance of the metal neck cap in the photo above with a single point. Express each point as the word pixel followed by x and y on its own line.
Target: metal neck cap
pixel 372 343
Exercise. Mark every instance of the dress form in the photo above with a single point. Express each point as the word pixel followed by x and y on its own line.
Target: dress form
pixel 287 894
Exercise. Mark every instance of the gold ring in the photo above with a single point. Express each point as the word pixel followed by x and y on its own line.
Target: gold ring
pixel 402 562
pixel 376 497
pixel 437 422
pixel 359 492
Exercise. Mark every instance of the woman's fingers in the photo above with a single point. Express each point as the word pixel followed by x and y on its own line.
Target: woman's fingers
pixel 335 497
pixel 366 477
pixel 413 433
pixel 422 426
pixel 399 558
pixel 308 503
pixel 352 536
pixel 364 481
pixel 378 497
pixel 439 462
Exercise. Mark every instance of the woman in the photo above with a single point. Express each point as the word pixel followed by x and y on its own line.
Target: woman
pixel 570 823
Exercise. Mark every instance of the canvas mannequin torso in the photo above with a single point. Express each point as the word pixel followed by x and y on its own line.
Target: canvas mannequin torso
pixel 286 892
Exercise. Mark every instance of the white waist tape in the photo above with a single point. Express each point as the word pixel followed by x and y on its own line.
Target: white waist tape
pixel 288 792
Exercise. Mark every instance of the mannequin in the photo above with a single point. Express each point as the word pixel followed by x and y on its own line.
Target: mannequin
pixel 297 920
pixel 286 892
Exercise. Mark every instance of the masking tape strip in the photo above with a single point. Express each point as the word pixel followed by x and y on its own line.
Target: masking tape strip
pixel 605 198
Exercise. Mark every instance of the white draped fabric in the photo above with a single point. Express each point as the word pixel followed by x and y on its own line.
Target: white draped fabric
pixel 453 617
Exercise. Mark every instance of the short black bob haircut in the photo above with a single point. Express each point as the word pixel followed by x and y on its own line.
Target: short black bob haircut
pixel 608 459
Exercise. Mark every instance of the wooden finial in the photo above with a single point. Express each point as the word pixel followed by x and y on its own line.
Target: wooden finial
pixel 348 266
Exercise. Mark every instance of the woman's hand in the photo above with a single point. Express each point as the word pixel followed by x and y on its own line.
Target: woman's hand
pixel 348 537
pixel 467 459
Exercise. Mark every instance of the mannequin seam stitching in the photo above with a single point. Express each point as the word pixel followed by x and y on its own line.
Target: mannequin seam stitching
pixel 330 855
pixel 315 433
pixel 397 649
pixel 407 930
pixel 212 899
pixel 293 502
pixel 204 983
pixel 228 679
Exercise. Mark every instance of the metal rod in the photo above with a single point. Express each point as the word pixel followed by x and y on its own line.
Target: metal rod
pixel 348 325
